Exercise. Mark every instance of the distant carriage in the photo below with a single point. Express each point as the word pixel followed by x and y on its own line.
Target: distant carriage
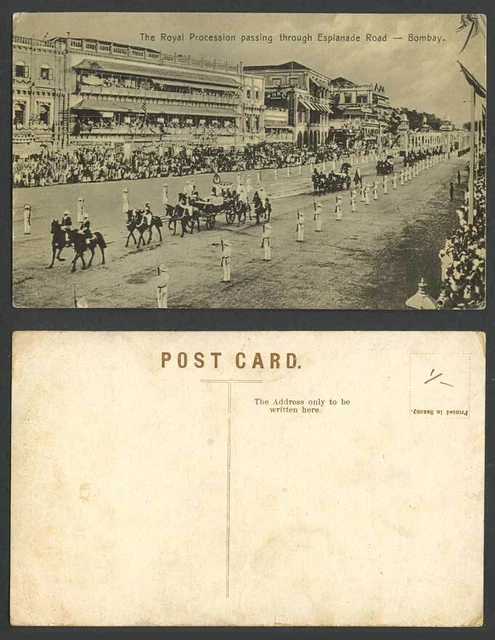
pixel 330 183
pixel 385 167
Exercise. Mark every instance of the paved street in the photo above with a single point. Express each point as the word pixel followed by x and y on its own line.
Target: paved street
pixel 372 259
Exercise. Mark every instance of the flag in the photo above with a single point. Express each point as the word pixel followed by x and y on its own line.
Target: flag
pixel 470 20
pixel 478 87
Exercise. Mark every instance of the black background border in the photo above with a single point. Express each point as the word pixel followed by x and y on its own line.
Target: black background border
pixel 12 319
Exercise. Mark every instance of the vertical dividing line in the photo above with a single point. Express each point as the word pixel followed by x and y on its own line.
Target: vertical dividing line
pixel 229 468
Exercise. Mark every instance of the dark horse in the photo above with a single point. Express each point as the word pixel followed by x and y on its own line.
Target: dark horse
pixel 58 242
pixel 81 243
pixel 261 212
pixel 136 221
pixel 180 214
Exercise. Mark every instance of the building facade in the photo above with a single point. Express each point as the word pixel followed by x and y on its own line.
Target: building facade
pixel 40 108
pixel 299 103
pixel 91 91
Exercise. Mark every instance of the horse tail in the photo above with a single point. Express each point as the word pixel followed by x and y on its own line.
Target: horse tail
pixel 101 240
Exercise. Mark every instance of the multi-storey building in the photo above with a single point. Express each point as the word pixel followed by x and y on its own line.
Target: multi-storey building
pixel 299 102
pixel 114 93
pixel 362 112
pixel 40 96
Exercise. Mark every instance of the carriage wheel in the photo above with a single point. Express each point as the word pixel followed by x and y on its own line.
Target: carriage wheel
pixel 230 216
pixel 210 222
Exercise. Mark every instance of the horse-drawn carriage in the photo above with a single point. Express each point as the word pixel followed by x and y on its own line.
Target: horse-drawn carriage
pixel 330 183
pixel 385 167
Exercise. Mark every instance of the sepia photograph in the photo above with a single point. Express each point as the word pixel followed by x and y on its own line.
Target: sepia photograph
pixel 249 161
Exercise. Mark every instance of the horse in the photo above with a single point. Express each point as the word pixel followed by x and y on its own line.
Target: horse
pixel 59 242
pixel 136 221
pixel 81 244
pixel 240 209
pixel 260 210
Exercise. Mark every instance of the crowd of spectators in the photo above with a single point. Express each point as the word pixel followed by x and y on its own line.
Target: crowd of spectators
pixel 99 164
pixel 464 256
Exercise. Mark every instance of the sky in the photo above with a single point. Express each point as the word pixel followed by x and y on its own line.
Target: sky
pixel 419 75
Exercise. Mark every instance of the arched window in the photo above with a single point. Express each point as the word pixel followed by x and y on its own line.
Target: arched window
pixel 21 70
pixel 46 72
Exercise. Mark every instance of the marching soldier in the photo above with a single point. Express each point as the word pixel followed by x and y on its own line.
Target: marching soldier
pixel 385 185
pixel 394 180
pixel 80 209
pixel 126 205
pixel 353 201
pixel 266 241
pixel 27 219
pixel 375 190
pixel 317 216
pixel 300 227
pixel 338 208
pixel 226 260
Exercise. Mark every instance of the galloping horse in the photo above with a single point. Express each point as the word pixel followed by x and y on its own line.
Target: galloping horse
pixel 58 242
pixel 82 244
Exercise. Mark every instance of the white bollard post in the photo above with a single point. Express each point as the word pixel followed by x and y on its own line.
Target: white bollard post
pixel 266 242
pixel 275 173
pixel 300 227
pixel 162 287
pixel 353 201
pixel 226 260
pixel 338 208
pixel 80 210
pixel 317 216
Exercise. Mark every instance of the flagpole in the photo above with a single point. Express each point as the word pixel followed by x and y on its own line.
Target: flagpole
pixel 472 158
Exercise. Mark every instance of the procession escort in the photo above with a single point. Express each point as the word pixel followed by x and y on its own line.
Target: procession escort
pixel 198 359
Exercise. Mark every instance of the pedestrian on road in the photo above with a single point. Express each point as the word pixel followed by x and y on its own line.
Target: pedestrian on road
pixel 27 219
pixel 317 216
pixel 458 177
pixel 362 192
pixel 375 190
pixel 300 227
pixel 126 205
pixel 451 191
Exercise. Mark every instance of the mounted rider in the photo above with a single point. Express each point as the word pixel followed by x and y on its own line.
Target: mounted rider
pixel 66 226
pixel 148 214
pixel 85 229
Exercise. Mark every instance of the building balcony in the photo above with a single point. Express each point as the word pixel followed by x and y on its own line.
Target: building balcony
pixel 171 97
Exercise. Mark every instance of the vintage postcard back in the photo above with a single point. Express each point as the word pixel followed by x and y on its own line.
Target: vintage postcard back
pixel 289 478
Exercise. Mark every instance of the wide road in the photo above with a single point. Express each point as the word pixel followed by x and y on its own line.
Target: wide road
pixel 371 259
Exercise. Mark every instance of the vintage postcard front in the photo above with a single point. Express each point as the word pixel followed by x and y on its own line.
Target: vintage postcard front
pixel 275 478
pixel 268 161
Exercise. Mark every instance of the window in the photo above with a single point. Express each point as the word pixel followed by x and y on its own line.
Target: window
pixel 257 94
pixel 19 113
pixel 362 98
pixel 347 98
pixel 21 70
pixel 46 73
pixel 276 82
pixel 44 114
pixel 248 93
pixel 294 81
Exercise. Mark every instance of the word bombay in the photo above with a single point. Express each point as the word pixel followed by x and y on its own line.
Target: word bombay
pixel 241 360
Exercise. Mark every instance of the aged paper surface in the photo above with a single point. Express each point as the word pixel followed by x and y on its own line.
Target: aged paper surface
pixel 288 478
pixel 359 140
